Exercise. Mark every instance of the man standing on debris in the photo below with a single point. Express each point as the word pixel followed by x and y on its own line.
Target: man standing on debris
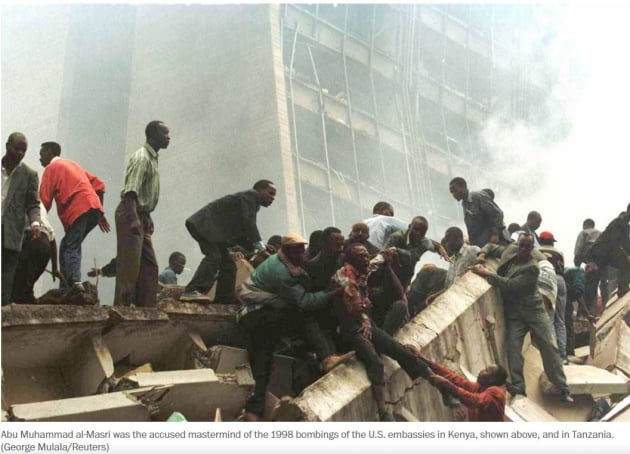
pixel 360 333
pixel 516 278
pixel 276 304
pixel 79 198
pixel 612 248
pixel 485 398
pixel 136 267
pixel 19 200
pixel 483 217
pixel 225 222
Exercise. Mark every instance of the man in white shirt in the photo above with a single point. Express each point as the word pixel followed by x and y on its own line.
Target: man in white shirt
pixel 383 223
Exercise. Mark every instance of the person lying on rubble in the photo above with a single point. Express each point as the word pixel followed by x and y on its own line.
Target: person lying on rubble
pixel 484 398
pixel 276 304
pixel 517 278
pixel 368 340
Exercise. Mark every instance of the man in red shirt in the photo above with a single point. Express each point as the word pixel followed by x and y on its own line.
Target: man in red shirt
pixel 485 398
pixel 79 198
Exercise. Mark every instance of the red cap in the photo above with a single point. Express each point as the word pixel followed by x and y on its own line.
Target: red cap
pixel 546 236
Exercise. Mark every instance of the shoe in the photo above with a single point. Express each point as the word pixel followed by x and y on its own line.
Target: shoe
pixel 566 398
pixel 450 401
pixel 386 416
pixel 514 390
pixel 333 361
pixel 192 295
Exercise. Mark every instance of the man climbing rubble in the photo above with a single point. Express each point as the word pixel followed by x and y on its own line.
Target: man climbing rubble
pixel 276 304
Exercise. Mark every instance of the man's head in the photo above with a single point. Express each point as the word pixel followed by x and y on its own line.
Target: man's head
pixel 513 227
pixel 458 188
pixel 16 148
pixel 383 208
pixel 360 232
pixel 588 224
pixel 332 240
pixel 157 135
pixel 293 246
pixel 525 245
pixel 418 229
pixel 453 240
pixel 493 375
pixel 358 256
pixel 546 239
pixel 534 219
pixel 177 262
pixel 49 151
pixel 266 192
pixel 489 192
pixel 275 241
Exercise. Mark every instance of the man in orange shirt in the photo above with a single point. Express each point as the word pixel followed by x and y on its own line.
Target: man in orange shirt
pixel 484 399
pixel 79 198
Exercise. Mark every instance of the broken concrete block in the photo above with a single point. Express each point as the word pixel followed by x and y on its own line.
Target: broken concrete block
pixel 584 379
pixel 90 366
pixel 604 335
pixel 623 349
pixel 197 394
pixel 225 359
pixel 522 409
pixel 119 406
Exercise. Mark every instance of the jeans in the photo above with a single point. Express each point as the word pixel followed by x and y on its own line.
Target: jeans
pixel 70 247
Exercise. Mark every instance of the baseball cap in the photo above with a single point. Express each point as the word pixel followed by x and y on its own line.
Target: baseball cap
pixel 546 236
pixel 292 238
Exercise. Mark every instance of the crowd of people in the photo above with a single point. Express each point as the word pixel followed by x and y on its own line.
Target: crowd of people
pixel 341 296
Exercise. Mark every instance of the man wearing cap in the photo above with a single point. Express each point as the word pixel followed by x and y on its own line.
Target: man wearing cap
pixel 516 278
pixel 556 258
pixel 225 222
pixel 276 304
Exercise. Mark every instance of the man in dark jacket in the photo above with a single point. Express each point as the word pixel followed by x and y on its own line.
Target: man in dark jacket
pixel 516 278
pixel 612 248
pixel 483 217
pixel 225 222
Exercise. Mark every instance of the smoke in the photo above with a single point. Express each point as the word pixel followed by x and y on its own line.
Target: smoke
pixel 573 163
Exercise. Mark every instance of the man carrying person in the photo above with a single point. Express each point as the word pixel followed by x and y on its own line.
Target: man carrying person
pixel 516 278
pixel 19 199
pixel 136 265
pixel 483 217
pixel 276 304
pixel 225 222
pixel 79 198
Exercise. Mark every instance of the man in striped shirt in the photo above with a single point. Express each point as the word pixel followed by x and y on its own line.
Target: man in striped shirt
pixel 137 269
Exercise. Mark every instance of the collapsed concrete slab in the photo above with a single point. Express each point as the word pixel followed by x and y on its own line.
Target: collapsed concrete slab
pixel 197 394
pixel 604 335
pixel 593 380
pixel 522 409
pixel 120 406
pixel 619 413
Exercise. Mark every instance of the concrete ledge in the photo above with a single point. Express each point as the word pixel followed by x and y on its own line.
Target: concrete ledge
pixel 118 406
pixel 592 380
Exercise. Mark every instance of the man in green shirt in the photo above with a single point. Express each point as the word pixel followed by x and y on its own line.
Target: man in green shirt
pixel 137 269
